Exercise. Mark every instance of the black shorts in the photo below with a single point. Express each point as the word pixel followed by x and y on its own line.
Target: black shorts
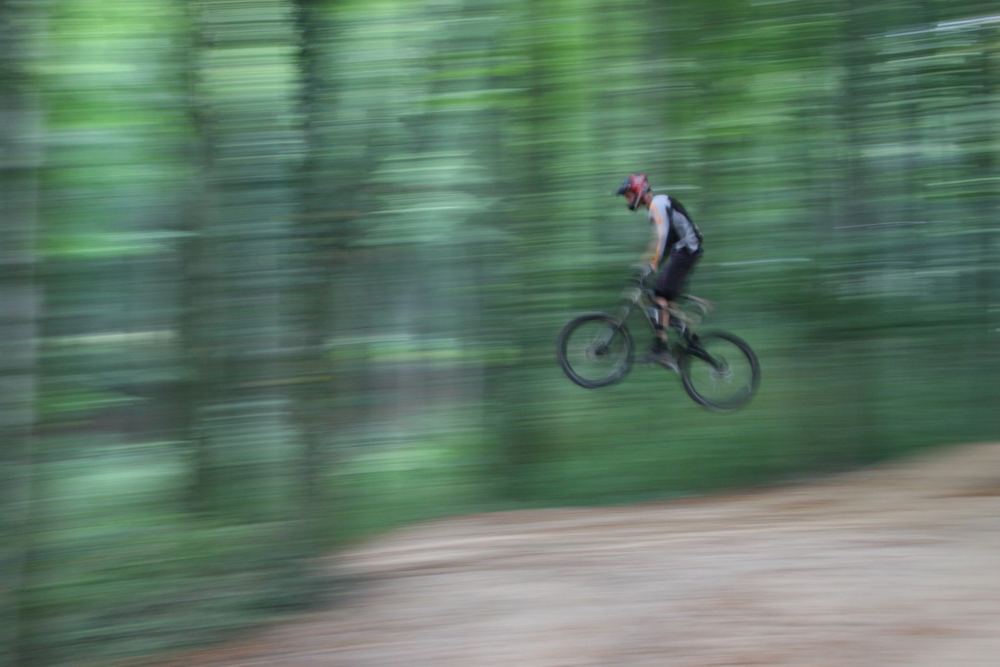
pixel 671 279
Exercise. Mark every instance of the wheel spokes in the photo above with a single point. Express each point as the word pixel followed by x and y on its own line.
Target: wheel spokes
pixel 719 373
pixel 597 351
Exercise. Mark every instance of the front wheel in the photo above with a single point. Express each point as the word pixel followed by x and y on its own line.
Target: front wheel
pixel 595 350
pixel 720 371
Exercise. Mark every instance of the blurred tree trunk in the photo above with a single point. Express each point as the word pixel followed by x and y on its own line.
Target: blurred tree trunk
pixel 859 251
pixel 526 166
pixel 19 305
pixel 319 238
pixel 196 285
pixel 983 208
pixel 238 266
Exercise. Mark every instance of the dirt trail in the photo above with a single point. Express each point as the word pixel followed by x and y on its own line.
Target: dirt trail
pixel 896 566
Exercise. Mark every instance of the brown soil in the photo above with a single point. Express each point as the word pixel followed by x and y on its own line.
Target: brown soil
pixel 895 566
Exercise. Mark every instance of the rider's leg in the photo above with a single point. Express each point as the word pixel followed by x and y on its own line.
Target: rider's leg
pixel 670 283
pixel 664 320
pixel 659 353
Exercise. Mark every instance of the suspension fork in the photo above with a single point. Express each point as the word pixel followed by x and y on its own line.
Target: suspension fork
pixel 599 345
pixel 623 312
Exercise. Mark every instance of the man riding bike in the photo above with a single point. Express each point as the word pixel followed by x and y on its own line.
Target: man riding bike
pixel 674 234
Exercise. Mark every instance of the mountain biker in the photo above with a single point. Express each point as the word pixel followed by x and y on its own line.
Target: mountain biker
pixel 674 235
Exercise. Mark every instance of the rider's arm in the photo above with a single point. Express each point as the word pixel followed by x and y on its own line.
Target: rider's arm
pixel 658 221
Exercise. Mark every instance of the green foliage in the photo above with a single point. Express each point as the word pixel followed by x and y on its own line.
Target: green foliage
pixel 116 562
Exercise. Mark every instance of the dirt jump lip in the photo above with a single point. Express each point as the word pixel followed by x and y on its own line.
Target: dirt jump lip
pixel 896 565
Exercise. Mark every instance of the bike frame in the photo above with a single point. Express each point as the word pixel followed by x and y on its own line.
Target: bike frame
pixel 641 297
pixel 612 339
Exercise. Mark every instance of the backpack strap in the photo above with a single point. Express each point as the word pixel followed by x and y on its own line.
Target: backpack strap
pixel 671 203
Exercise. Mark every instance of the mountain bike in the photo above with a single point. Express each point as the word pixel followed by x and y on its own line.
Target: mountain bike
pixel 718 370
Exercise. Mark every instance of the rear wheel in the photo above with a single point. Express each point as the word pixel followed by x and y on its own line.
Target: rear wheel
pixel 595 350
pixel 720 371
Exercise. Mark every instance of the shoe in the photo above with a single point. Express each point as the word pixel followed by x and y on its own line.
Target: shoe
pixel 660 354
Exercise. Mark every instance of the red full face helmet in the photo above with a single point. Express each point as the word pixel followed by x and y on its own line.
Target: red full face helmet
pixel 633 188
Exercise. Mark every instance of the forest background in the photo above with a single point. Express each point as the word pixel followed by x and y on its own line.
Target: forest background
pixel 279 275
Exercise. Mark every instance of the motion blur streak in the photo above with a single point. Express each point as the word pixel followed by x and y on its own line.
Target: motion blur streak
pixel 281 274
